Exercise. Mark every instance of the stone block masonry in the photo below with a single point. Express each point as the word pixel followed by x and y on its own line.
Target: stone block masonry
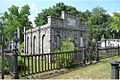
pixel 49 37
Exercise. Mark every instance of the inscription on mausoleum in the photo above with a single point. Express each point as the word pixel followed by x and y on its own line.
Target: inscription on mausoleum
pixel 71 22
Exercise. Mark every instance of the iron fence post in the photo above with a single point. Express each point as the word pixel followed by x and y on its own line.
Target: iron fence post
pixel 15 64
pixel 15 55
pixel 2 74
pixel 97 59
pixel 118 51
pixel 115 70
pixel 84 56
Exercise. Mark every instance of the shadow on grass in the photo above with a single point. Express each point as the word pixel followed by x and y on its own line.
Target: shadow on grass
pixel 104 61
pixel 52 74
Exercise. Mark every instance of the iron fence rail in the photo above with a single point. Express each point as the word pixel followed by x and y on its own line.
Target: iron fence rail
pixel 38 63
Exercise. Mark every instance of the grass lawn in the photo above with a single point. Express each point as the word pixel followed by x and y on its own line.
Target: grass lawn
pixel 100 70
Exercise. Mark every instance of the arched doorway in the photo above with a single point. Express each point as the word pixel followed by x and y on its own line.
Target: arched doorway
pixel 27 45
pixel 81 40
pixel 34 44
pixel 58 41
pixel 43 43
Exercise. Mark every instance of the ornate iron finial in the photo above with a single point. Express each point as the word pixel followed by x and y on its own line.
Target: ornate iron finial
pixel 15 39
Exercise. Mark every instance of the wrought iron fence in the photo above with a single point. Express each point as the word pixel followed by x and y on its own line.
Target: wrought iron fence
pixel 28 64
pixel 38 63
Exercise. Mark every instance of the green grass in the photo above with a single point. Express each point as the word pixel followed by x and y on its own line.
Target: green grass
pixel 94 71
pixel 100 70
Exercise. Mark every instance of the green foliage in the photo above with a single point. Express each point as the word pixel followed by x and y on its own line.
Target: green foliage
pixel 6 66
pixel 21 65
pixel 98 19
pixel 116 22
pixel 65 62
pixel 22 45
pixel 98 16
pixel 93 42
pixel 99 23
pixel 66 46
pixel 2 25
pixel 8 63
pixel 41 19
pixel 84 16
pixel 115 25
pixel 16 17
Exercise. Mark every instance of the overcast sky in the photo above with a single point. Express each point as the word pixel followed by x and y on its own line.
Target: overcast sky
pixel 37 5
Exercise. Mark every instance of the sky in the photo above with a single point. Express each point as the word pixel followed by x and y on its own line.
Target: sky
pixel 36 6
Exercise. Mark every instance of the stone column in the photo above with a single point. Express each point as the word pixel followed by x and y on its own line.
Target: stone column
pixel 25 40
pixel 63 14
pixel 15 64
pixel 49 20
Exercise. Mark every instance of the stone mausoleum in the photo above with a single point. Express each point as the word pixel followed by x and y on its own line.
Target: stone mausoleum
pixel 48 38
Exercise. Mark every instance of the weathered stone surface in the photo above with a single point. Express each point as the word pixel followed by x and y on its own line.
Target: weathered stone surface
pixel 54 33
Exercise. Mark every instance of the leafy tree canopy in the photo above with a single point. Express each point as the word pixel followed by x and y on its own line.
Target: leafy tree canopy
pixel 115 26
pixel 41 19
pixel 98 23
pixel 98 20
pixel 16 17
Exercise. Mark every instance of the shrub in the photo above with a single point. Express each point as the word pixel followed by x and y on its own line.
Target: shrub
pixel 8 63
pixel 21 65
pixel 66 46
pixel 71 63
pixel 22 47
pixel 6 71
